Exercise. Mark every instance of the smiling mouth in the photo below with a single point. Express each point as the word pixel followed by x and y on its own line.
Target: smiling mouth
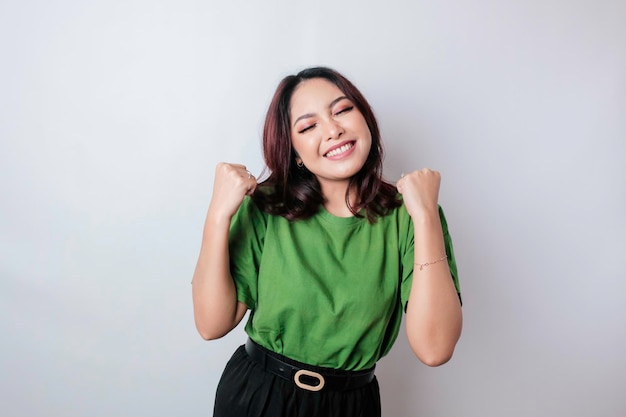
pixel 340 150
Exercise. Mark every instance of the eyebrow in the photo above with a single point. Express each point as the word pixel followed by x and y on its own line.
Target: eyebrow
pixel 307 115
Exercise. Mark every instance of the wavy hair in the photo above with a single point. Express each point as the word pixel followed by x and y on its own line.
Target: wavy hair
pixel 295 193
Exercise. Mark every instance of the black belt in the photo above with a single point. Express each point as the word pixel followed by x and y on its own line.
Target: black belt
pixel 301 374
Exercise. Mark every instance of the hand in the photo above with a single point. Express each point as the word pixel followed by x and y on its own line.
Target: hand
pixel 420 192
pixel 232 183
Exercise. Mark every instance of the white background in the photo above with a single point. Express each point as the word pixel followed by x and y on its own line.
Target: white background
pixel 113 115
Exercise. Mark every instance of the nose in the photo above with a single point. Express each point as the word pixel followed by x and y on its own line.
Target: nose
pixel 334 130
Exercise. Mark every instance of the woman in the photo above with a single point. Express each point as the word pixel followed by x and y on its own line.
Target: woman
pixel 326 255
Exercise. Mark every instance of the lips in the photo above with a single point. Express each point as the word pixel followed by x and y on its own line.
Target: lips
pixel 339 149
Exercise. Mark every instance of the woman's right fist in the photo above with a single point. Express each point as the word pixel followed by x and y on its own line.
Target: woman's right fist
pixel 231 184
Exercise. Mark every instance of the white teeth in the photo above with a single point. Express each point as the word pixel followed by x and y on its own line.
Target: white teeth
pixel 340 150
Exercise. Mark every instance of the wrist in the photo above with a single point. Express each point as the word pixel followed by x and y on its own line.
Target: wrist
pixel 425 218
pixel 215 218
pixel 431 262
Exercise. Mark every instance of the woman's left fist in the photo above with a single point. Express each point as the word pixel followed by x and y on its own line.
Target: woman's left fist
pixel 420 191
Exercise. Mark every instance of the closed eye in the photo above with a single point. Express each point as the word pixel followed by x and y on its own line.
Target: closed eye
pixel 307 128
pixel 344 110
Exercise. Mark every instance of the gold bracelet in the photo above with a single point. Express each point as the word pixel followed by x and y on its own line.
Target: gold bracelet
pixel 443 258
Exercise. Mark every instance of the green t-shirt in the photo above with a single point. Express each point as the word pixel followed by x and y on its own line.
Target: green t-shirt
pixel 327 291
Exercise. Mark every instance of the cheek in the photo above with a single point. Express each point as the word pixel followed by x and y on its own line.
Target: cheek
pixel 305 143
pixel 368 135
pixel 362 123
pixel 295 143
pixel 299 146
pixel 368 149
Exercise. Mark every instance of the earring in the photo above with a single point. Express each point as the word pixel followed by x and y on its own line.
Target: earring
pixel 299 162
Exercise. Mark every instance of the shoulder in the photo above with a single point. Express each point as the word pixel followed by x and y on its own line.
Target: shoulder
pixel 266 198
pixel 399 213
pixel 249 212
pixel 250 206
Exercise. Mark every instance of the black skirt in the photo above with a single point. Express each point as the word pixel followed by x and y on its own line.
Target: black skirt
pixel 247 390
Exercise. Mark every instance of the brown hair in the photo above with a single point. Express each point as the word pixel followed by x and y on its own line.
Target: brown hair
pixel 294 192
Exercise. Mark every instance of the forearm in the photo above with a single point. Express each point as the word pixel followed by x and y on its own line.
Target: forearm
pixel 434 317
pixel 213 289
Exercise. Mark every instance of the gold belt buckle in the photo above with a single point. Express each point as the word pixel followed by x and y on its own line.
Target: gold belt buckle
pixel 308 387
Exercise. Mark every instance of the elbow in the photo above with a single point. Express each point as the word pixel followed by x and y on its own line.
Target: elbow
pixel 210 335
pixel 209 331
pixel 433 344
pixel 434 359
pixel 432 351
pixel 215 326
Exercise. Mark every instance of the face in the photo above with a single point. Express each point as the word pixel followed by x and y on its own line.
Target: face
pixel 328 132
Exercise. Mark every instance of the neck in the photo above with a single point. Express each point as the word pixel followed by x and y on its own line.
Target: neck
pixel 335 198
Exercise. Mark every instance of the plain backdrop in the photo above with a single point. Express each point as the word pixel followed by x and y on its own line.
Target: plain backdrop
pixel 114 113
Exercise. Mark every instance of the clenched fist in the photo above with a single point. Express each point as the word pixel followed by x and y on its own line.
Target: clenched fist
pixel 232 183
pixel 420 192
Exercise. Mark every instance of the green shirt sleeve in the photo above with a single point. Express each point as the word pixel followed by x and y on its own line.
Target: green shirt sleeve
pixel 245 245
pixel 408 261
